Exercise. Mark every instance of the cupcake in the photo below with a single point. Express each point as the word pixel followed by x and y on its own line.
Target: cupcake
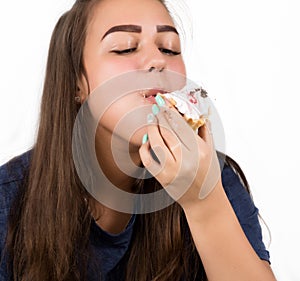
pixel 192 104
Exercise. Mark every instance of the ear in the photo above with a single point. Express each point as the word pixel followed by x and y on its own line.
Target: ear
pixel 82 90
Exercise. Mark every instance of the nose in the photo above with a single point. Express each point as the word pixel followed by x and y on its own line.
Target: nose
pixel 154 60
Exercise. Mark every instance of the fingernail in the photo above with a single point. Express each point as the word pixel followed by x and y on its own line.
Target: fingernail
pixel 155 109
pixel 145 138
pixel 150 118
pixel 160 101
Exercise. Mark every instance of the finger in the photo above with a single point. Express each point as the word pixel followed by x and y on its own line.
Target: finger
pixel 148 161
pixel 213 173
pixel 169 136
pixel 158 145
pixel 205 133
pixel 212 176
pixel 179 126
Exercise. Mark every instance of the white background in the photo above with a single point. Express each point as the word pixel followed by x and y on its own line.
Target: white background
pixel 247 55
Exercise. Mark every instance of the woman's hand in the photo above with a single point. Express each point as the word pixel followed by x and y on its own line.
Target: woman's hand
pixel 184 163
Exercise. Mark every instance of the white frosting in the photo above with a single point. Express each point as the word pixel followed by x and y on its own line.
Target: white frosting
pixel 190 103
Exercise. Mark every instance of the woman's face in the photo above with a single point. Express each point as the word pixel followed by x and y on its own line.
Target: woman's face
pixel 128 35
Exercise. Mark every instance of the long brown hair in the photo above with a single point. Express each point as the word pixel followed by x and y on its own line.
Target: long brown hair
pixel 48 236
pixel 50 230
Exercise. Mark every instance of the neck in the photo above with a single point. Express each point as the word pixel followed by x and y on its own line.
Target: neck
pixel 115 164
pixel 111 220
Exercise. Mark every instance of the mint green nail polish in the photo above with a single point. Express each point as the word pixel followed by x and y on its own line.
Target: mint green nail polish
pixel 145 138
pixel 160 101
pixel 150 118
pixel 155 109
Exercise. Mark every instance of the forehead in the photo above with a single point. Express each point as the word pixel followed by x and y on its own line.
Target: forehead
pixel 147 13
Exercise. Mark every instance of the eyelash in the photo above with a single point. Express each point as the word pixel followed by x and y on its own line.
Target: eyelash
pixel 169 52
pixel 131 50
pixel 124 52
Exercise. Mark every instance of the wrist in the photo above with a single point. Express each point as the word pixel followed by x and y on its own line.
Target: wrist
pixel 205 210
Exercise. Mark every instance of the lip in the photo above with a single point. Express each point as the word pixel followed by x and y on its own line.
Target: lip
pixel 151 99
pixel 153 92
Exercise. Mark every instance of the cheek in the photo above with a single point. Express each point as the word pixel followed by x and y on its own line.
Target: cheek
pixel 126 118
pixel 105 70
pixel 177 66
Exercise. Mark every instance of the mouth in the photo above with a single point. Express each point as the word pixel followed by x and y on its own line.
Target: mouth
pixel 152 93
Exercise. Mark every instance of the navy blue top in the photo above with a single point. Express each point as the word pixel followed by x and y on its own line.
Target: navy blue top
pixel 111 248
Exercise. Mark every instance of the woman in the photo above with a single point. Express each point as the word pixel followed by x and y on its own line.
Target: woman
pixel 53 229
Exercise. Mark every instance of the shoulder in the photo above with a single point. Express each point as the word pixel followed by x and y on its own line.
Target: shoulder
pixel 244 208
pixel 15 169
pixel 237 193
pixel 232 181
pixel 12 175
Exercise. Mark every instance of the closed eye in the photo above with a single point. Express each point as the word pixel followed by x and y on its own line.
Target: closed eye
pixel 169 52
pixel 124 52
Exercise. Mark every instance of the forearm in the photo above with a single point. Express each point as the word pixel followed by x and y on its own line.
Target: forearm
pixel 221 243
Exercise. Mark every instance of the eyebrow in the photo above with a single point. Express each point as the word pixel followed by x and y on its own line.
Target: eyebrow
pixel 166 28
pixel 138 29
pixel 123 28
